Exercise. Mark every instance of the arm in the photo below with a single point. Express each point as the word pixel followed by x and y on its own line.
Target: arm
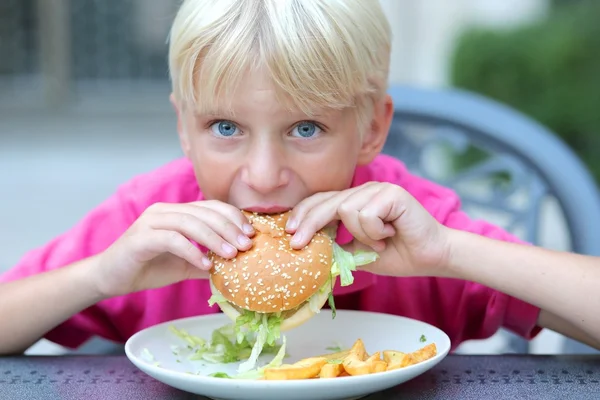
pixel 563 285
pixel 37 304
pixel 47 295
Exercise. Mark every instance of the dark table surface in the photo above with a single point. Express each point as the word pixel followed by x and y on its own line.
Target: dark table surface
pixel 456 377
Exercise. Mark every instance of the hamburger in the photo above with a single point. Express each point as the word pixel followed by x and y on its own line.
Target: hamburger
pixel 272 287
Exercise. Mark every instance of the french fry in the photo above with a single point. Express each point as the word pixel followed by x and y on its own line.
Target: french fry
pixel 354 366
pixel 424 353
pixel 353 362
pixel 374 358
pixel 379 365
pixel 358 350
pixel 304 369
pixel 398 359
pixel 331 370
pixel 395 359
pixel 340 355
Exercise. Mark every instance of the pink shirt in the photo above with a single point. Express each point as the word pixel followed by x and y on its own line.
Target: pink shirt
pixel 464 310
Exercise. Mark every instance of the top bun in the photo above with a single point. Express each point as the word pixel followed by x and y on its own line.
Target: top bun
pixel 271 276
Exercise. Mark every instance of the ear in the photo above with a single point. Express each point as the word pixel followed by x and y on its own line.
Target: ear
pixel 181 131
pixel 377 132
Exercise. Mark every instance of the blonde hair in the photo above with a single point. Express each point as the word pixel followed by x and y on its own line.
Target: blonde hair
pixel 319 53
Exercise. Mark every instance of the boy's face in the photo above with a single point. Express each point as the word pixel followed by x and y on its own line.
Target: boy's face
pixel 264 158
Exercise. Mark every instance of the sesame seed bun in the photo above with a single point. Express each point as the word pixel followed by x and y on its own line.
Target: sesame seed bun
pixel 292 318
pixel 271 276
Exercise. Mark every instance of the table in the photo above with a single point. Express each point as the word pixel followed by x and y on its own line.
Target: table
pixel 456 377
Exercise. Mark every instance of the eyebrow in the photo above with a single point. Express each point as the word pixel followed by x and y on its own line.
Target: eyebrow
pixel 299 115
pixel 214 113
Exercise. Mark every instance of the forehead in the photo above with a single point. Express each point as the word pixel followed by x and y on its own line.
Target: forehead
pixel 257 92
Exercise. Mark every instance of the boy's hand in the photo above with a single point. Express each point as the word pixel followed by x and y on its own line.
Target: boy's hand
pixel 157 249
pixel 381 216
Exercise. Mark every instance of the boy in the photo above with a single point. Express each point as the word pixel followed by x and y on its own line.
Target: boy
pixel 281 104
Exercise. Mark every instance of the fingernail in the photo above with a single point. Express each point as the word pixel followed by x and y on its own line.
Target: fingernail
pixel 227 248
pixel 297 238
pixel 248 229
pixel 291 224
pixel 244 240
pixel 206 262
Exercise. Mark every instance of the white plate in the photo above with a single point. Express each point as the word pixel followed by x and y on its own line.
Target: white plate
pixel 378 331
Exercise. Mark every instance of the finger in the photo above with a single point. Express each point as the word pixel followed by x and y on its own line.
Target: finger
pixel 371 218
pixel 379 214
pixel 195 229
pixel 316 219
pixel 196 273
pixel 226 228
pixel 168 241
pixel 198 209
pixel 233 213
pixel 360 224
pixel 301 209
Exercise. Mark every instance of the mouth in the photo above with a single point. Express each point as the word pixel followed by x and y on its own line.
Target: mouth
pixel 271 209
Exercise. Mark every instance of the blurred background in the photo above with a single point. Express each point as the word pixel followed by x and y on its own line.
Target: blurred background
pixel 84 95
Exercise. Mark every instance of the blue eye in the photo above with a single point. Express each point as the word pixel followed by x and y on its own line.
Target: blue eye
pixel 224 128
pixel 306 129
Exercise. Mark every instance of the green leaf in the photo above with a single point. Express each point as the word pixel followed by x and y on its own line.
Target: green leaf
pixel 216 298
pixel 220 375
pixel 344 263
pixel 332 305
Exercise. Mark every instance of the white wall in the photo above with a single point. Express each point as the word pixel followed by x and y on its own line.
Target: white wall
pixel 425 31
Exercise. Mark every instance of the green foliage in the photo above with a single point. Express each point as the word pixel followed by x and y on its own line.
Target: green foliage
pixel 549 70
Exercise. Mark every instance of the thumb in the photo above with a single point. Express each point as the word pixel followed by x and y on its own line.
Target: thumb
pixel 196 273
pixel 356 245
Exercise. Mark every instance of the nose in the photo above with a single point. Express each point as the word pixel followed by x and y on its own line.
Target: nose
pixel 265 170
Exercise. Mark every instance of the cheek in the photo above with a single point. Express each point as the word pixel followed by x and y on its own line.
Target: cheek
pixel 330 169
pixel 215 171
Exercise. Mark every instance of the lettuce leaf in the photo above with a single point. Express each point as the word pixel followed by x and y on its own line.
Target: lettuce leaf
pixel 261 339
pixel 216 298
pixel 344 263
pixel 277 361
pixel 224 348
pixel 257 373
pixel 267 330
pixel 220 349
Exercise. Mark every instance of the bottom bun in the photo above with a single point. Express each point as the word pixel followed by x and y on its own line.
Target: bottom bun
pixel 302 314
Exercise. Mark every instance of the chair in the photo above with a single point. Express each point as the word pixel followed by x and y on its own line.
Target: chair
pixel 517 168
